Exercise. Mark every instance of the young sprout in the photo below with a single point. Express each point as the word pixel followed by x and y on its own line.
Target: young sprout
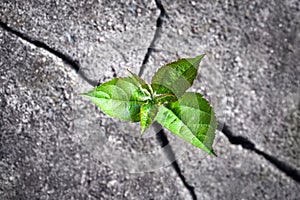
pixel 187 114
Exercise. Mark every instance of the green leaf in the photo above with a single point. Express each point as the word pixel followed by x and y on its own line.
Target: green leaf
pixel 191 118
pixel 176 77
pixel 164 98
pixel 148 112
pixel 144 86
pixel 120 97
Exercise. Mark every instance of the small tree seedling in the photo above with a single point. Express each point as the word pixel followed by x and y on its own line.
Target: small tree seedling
pixel 187 114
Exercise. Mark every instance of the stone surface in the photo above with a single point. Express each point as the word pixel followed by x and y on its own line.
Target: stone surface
pixel 54 144
pixel 105 37
pixel 44 124
pixel 235 174
pixel 251 69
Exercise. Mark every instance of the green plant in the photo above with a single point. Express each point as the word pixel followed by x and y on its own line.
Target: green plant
pixel 186 114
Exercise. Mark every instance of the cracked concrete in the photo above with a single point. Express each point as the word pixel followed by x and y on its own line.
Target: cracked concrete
pixel 52 145
pixel 251 70
pixel 117 33
pixel 235 174
pixel 43 147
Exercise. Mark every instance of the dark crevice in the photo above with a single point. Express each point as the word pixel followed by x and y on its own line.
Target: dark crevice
pixel 164 143
pixel 161 135
pixel 74 64
pixel 65 58
pixel 238 140
pixel 247 144
pixel 159 23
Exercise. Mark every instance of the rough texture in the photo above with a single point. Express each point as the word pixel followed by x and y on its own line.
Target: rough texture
pixel 110 35
pixel 56 145
pixel 251 70
pixel 44 127
pixel 235 174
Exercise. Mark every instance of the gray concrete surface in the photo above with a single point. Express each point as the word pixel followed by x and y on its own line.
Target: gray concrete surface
pixel 43 153
pixel 56 145
pixel 251 69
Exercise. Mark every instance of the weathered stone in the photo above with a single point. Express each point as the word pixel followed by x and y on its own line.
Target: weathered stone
pixel 45 127
pixel 235 174
pixel 250 72
pixel 56 145
pixel 105 37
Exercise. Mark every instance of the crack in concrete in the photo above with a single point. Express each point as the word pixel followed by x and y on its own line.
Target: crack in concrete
pixel 159 23
pixel 236 140
pixel 65 58
pixel 164 143
pixel 161 135
pixel 247 144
